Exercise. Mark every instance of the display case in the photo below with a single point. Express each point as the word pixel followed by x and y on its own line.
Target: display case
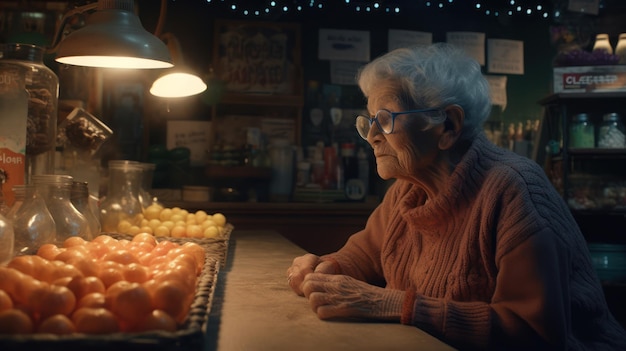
pixel 590 175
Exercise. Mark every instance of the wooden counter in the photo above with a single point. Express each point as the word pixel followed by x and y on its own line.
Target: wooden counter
pixel 254 308
pixel 316 227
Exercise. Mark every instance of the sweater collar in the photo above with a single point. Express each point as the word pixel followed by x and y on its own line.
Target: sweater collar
pixel 456 193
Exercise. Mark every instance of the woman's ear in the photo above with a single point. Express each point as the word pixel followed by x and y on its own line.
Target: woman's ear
pixel 453 126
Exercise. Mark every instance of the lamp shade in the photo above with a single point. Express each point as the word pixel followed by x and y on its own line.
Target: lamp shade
pixel 177 84
pixel 113 37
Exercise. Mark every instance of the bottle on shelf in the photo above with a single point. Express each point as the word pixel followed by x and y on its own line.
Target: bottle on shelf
pixel 611 133
pixel 602 43
pixel 620 48
pixel 582 132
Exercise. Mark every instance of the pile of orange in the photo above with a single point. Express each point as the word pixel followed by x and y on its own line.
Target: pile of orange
pixel 101 286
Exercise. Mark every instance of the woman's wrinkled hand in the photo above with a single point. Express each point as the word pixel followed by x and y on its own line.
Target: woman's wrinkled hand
pixel 344 297
pixel 303 265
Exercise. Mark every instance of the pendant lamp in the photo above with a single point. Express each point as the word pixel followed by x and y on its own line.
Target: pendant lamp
pixel 112 37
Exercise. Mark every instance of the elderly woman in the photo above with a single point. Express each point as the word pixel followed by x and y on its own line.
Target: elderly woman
pixel 472 244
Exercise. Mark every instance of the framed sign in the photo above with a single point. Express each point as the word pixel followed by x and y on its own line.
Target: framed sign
pixel 257 57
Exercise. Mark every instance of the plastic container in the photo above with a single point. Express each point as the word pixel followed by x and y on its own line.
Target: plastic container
pixel 582 132
pixel 611 133
pixel 81 199
pixel 25 63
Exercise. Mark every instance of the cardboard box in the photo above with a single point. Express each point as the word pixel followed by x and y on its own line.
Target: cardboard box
pixel 588 79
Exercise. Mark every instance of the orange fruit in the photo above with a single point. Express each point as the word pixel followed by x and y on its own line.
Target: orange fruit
pixel 25 287
pixel 157 320
pixel 53 300
pixel 82 286
pixel 63 270
pixel 5 301
pixel 136 273
pixel 130 302
pixel 72 253
pixel 48 251
pixel 15 321
pixel 87 266
pixel 110 276
pixel 93 300
pixel 62 281
pixel 196 251
pixel 171 298
pixel 96 249
pixel 23 264
pixel 58 324
pixel 163 247
pixel 9 279
pixel 145 238
pixel 74 241
pixel 120 256
pixel 95 321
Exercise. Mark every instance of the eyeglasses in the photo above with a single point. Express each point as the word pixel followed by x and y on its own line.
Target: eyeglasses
pixel 385 120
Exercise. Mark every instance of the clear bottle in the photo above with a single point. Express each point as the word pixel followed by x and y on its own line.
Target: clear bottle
pixel 80 198
pixel 620 48
pixel 121 205
pixel 582 132
pixel 7 238
pixel 56 191
pixel 611 133
pixel 42 85
pixel 145 191
pixel 33 224
pixel 602 43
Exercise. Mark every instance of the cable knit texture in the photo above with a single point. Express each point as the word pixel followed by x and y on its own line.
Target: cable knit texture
pixel 495 260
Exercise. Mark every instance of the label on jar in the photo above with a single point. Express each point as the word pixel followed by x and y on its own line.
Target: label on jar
pixel 13 121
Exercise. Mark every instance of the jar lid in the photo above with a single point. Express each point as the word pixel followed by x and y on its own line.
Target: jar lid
pixel 581 117
pixel 613 116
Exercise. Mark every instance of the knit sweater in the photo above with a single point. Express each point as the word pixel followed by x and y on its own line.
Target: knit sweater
pixel 495 260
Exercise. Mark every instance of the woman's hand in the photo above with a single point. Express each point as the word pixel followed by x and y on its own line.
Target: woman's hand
pixel 303 265
pixel 341 296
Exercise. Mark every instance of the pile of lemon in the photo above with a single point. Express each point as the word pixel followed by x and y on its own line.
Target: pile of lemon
pixel 174 222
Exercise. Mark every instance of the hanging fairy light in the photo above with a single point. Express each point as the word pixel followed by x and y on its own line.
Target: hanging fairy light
pixel 490 8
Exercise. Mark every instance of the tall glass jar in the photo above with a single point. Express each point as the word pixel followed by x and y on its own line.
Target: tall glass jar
pixel 121 206
pixel 56 190
pixel 24 64
pixel 582 132
pixel 32 223
pixel 6 240
pixel 80 198
pixel 145 192
pixel 611 133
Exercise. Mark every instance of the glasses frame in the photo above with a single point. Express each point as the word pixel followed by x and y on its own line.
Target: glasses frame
pixel 374 119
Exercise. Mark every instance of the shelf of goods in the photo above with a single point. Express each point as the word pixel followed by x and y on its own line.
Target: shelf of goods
pixel 588 170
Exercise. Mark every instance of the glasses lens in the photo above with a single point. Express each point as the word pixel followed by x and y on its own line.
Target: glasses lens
pixel 385 122
pixel 363 126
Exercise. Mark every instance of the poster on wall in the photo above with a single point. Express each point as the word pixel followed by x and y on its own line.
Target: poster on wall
pixel 398 38
pixel 505 56
pixel 344 45
pixel 497 85
pixel 584 6
pixel 472 42
pixel 257 58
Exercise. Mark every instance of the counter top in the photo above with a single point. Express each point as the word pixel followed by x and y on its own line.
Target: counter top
pixel 254 309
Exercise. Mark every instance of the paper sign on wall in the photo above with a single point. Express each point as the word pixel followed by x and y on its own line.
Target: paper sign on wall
pixel 344 72
pixel 584 6
pixel 194 135
pixel 497 85
pixel 505 56
pixel 472 42
pixel 405 38
pixel 344 45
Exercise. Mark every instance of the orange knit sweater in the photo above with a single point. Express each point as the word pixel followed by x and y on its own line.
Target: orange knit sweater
pixel 494 261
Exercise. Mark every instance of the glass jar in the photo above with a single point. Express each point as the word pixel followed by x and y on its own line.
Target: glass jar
pixel 282 158
pixel 611 132
pixel 20 193
pixel 121 206
pixel 582 132
pixel 620 48
pixel 23 63
pixel 6 240
pixel 602 43
pixel 56 191
pixel 32 223
pixel 145 196
pixel 80 198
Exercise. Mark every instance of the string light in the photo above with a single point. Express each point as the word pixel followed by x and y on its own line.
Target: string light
pixel 490 8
